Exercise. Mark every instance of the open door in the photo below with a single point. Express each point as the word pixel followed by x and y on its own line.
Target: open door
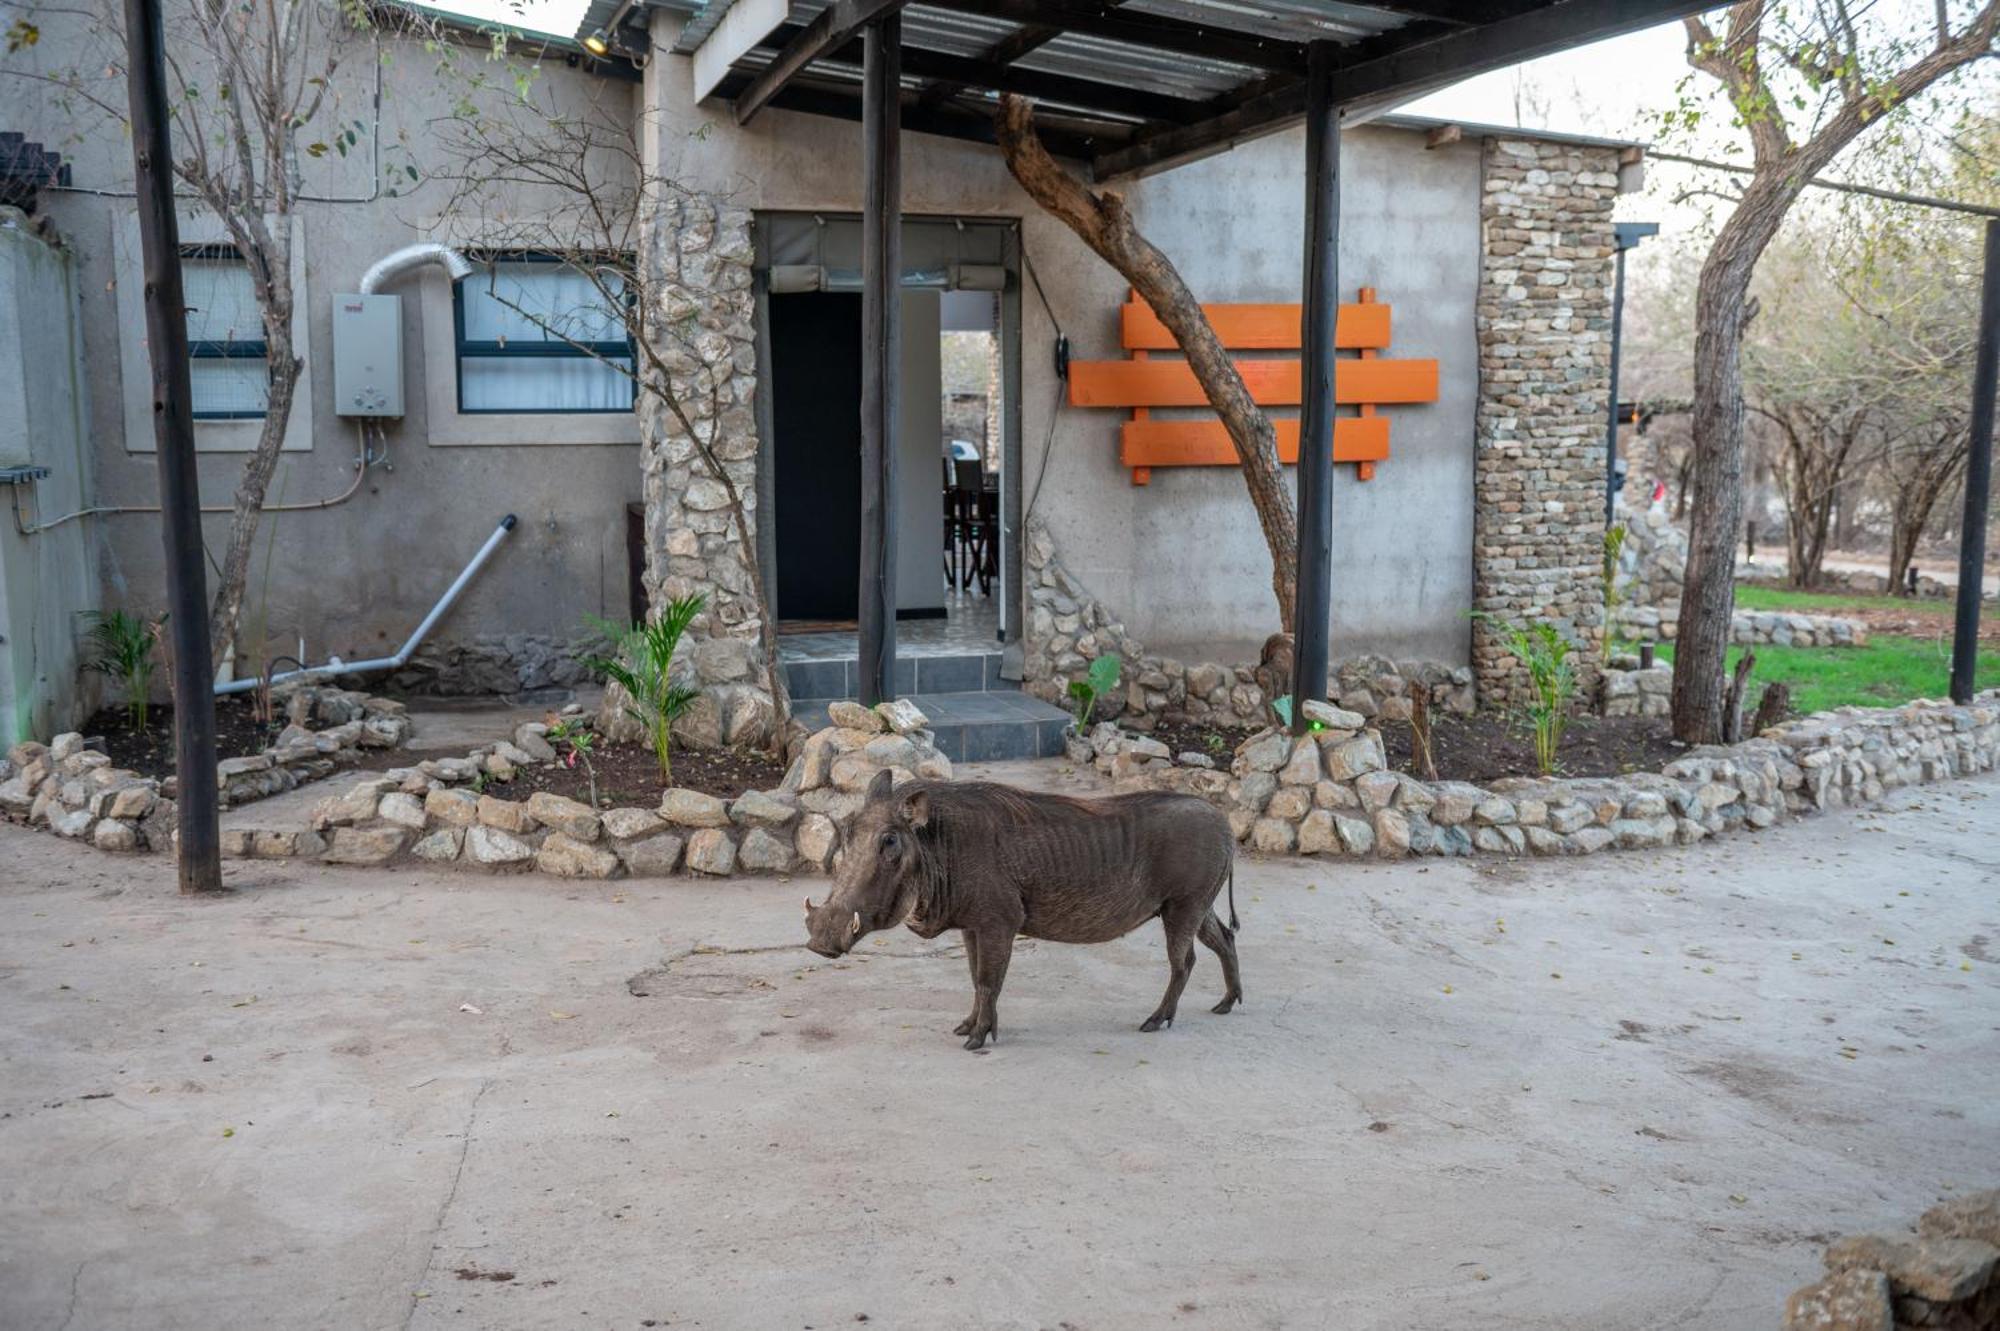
pixel 816 452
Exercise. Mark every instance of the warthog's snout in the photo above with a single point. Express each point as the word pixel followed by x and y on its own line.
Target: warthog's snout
pixel 831 931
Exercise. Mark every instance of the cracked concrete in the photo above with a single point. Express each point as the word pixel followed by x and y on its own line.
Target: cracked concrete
pixel 1636 1091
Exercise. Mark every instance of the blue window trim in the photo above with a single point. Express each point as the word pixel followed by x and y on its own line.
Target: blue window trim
pixel 527 350
pixel 235 348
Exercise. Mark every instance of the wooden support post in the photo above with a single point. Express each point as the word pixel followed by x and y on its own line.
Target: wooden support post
pixel 881 349
pixel 200 850
pixel 1314 604
pixel 1978 479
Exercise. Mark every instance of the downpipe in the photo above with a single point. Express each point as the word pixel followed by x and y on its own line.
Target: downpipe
pixel 336 666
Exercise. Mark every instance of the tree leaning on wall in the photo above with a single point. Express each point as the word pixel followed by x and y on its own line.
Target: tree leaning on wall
pixel 1101 220
pixel 1841 75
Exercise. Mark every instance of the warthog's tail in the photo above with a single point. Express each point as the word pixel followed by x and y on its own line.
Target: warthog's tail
pixel 1233 926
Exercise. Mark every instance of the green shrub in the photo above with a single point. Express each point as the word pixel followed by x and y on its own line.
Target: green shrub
pixel 641 662
pixel 1100 679
pixel 1544 653
pixel 122 647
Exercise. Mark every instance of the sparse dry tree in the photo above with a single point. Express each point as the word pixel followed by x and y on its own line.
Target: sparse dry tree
pixel 572 181
pixel 1802 81
pixel 253 89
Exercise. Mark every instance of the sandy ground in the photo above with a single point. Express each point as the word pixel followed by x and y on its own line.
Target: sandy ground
pixel 1625 1092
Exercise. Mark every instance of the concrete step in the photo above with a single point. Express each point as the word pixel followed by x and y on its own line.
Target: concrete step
pixel 825 678
pixel 974 727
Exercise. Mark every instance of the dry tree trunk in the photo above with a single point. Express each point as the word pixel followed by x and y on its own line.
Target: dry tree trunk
pixel 1102 222
pixel 226 610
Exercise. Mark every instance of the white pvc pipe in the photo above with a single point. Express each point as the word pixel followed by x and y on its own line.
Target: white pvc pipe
pixel 403 654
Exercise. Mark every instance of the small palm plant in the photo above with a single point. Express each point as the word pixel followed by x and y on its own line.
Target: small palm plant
pixel 1100 679
pixel 1544 653
pixel 121 646
pixel 641 662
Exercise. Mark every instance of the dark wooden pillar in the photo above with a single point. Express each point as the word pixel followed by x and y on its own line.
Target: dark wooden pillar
pixel 881 348
pixel 1978 479
pixel 200 851
pixel 1322 308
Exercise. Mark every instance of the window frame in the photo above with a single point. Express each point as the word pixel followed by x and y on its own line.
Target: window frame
pixel 235 348
pixel 462 349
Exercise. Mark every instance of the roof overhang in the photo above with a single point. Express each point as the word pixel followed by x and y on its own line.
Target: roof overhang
pixel 1135 86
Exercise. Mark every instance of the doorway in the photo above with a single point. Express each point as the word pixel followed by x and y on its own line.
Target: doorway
pixel 816 424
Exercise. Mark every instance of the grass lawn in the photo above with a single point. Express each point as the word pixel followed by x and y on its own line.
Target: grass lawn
pixel 1833 603
pixel 1887 672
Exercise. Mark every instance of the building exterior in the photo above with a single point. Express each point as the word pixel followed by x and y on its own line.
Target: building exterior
pixel 1493 248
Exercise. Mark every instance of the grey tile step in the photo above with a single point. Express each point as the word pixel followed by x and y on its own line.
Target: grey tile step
pixel 978 726
pixel 840 677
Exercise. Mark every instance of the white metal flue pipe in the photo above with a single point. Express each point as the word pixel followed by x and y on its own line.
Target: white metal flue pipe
pixel 397 262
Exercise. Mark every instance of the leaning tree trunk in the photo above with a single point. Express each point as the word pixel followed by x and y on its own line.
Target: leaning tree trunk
pixel 1101 220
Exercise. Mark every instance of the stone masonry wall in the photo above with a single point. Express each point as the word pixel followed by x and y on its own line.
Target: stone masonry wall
pixel 1544 321
pixel 697 256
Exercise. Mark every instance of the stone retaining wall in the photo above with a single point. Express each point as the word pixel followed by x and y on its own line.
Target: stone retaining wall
pixel 1946 1274
pixel 1330 793
pixel 77 793
pixel 1750 627
pixel 494 664
pixel 443 811
pixel 1626 690
pixel 1068 628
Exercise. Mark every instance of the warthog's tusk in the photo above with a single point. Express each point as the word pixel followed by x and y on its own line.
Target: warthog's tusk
pixel 854 925
pixel 809 907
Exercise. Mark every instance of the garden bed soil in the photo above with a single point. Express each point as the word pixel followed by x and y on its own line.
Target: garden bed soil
pixel 628 775
pixel 150 752
pixel 1487 746
pixel 1480 748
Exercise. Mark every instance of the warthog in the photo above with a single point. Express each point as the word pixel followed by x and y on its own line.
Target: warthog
pixel 996 862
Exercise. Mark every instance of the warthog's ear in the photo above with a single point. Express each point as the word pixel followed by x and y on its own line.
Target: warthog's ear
pixel 915 811
pixel 879 788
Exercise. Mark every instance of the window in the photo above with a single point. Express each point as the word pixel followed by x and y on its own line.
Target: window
pixel 229 368
pixel 535 335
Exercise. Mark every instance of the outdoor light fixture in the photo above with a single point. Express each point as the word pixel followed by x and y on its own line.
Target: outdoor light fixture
pixel 598 43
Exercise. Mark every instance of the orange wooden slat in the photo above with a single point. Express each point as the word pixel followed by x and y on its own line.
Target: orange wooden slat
pixel 1272 383
pixel 1155 443
pixel 1257 327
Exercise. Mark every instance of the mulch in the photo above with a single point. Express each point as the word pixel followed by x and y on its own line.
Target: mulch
pixel 150 752
pixel 628 775
pixel 1481 748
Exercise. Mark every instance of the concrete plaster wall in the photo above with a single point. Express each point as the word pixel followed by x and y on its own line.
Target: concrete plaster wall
pixel 48 580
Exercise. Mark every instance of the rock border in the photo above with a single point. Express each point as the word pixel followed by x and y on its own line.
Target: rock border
pixel 1947 1274
pixel 438 812
pixel 1328 792
pixel 75 792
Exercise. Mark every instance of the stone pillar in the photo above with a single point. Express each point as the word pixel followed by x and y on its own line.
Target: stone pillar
pixel 697 256
pixel 1544 327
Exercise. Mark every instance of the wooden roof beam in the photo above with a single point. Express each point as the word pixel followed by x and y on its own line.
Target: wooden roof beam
pixel 831 29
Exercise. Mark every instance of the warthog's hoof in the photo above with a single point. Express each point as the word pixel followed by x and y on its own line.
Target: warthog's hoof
pixel 965 1027
pixel 976 1036
pixel 1223 1008
pixel 1154 1022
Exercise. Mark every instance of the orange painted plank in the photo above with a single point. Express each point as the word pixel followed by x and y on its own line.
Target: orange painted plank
pixel 1257 327
pixel 1272 383
pixel 1206 443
